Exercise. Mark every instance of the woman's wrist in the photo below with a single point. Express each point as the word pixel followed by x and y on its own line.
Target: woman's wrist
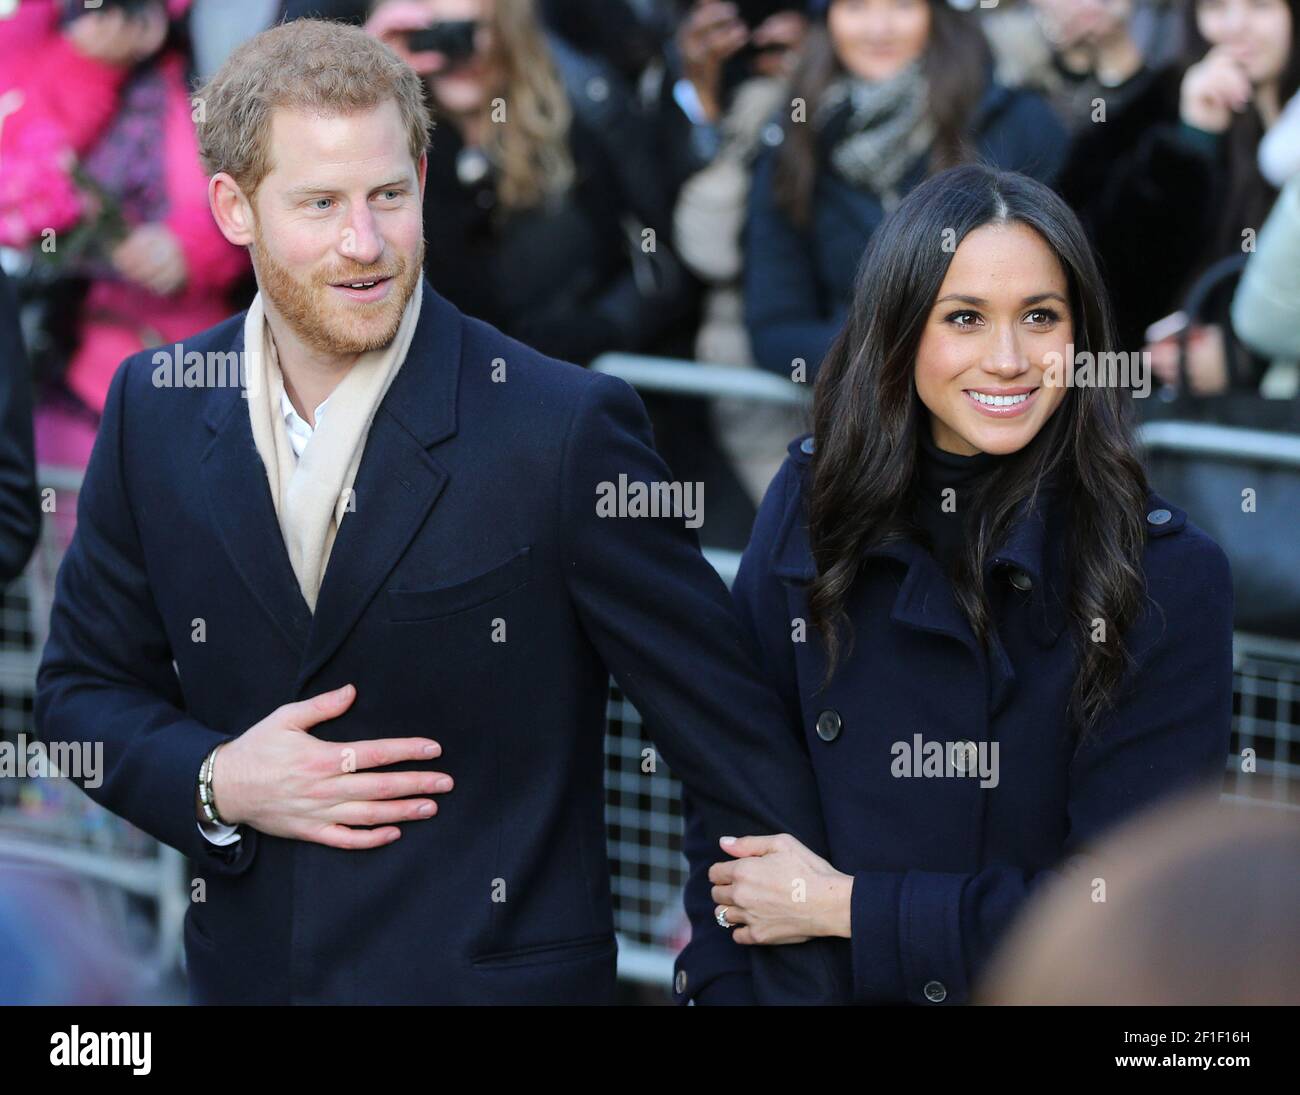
pixel 835 919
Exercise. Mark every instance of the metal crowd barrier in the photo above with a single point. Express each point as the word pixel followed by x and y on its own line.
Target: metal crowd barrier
pixel 1266 668
pixel 687 378
pixel 52 821
pixel 49 820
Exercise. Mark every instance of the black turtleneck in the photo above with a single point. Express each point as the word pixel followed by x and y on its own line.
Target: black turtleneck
pixel 938 471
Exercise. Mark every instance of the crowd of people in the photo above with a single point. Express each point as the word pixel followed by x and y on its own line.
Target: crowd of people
pixel 685 179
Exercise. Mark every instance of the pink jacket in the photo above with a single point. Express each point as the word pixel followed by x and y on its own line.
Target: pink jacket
pixel 62 90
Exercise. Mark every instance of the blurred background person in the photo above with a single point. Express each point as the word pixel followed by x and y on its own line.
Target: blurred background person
pixel 627 34
pixel 1171 184
pixel 532 224
pixel 717 48
pixel 20 515
pixel 1192 903
pixel 1266 308
pixel 737 67
pixel 1076 51
pixel 1279 151
pixel 894 90
pixel 98 148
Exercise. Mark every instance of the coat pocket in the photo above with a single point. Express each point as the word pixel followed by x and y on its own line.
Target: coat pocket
pixel 429 604
pixel 571 950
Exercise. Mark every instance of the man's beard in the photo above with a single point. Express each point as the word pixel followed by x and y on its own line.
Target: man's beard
pixel 327 320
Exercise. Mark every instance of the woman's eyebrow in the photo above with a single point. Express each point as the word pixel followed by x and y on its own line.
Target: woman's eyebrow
pixel 1037 298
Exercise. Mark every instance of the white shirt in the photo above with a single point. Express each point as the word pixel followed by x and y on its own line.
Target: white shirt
pixel 300 432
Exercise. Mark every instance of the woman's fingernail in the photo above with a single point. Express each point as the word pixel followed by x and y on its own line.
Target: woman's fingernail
pixel 728 840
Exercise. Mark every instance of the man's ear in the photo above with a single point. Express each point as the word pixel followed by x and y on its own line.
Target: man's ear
pixel 232 211
pixel 423 171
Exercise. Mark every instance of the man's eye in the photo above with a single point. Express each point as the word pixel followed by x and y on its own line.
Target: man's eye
pixel 391 195
pixel 316 203
pixel 963 319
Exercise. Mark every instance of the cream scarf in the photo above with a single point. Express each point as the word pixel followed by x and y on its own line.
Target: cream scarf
pixel 312 492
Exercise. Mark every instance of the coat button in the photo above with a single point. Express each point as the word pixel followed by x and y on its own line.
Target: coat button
pixel 679 982
pixel 1021 580
pixel 935 992
pixel 1159 516
pixel 807 446
pixel 828 725
pixel 962 755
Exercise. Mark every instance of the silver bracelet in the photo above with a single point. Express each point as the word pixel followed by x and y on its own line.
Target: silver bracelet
pixel 206 797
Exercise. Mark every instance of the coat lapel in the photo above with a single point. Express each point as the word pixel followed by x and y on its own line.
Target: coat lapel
pixel 239 501
pixel 398 482
pixel 925 600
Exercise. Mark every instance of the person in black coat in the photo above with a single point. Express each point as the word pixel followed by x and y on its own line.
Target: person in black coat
pixel 624 33
pixel 717 48
pixel 1170 184
pixel 992 638
pixel 20 514
pixel 539 164
pixel 881 99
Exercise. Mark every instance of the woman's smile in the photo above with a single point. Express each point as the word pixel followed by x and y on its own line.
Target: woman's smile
pixel 1001 402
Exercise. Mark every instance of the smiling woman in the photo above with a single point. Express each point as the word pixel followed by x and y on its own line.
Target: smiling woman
pixel 981 363
pixel 986 574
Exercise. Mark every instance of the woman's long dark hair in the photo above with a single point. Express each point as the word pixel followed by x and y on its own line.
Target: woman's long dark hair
pixel 867 414
pixel 1249 196
pixel 957 63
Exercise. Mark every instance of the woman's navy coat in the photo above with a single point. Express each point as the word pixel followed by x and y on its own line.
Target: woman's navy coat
pixel 941 865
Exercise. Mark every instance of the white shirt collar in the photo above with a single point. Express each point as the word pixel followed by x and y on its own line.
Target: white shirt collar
pixel 300 431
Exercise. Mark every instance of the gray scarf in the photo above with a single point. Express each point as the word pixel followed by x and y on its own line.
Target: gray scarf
pixel 887 127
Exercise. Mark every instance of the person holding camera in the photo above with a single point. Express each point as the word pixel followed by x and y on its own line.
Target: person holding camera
pixel 526 198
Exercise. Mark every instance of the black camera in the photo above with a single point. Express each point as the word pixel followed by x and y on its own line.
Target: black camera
pixel 756 12
pixel 454 39
pixel 74 9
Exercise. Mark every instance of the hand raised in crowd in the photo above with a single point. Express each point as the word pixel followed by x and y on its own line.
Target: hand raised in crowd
pixel 1207 360
pixel 282 781
pixel 711 32
pixel 1214 89
pixel 391 22
pixel 151 256
pixel 778 39
pixel 118 37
